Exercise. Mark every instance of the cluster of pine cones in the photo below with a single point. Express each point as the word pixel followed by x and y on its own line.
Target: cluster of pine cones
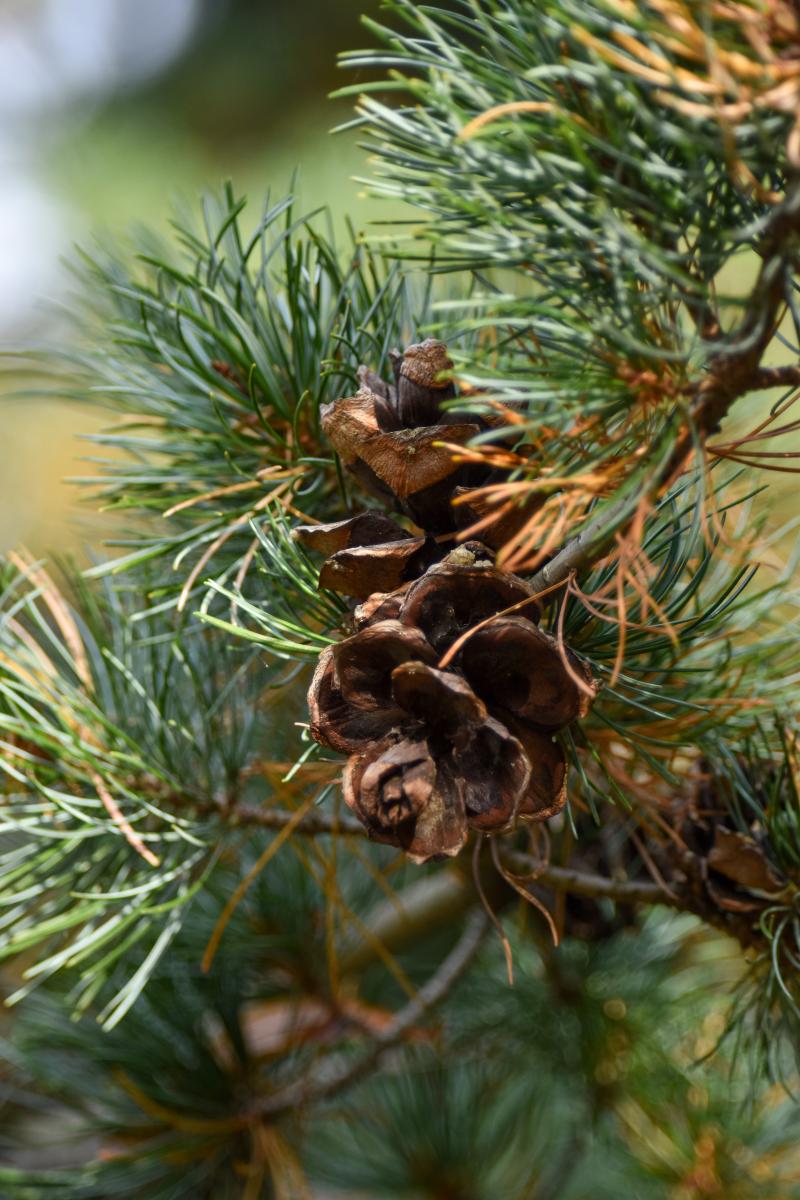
pixel 447 695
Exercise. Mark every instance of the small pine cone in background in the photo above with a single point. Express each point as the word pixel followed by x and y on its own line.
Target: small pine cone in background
pixel 724 873
pixel 436 752
pixel 388 436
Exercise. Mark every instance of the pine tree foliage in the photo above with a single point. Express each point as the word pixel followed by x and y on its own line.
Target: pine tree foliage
pixel 218 351
pixel 120 744
pixel 217 980
pixel 618 157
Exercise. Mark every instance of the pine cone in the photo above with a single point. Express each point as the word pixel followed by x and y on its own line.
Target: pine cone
pixel 436 752
pixel 386 435
pixel 725 873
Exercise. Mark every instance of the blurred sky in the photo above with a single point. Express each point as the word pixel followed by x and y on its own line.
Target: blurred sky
pixel 112 109
pixel 58 60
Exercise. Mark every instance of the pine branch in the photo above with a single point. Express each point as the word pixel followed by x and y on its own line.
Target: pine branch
pixel 774 377
pixel 559 878
pixel 548 146
pixel 103 721
pixel 312 825
pixel 581 883
pixel 733 370
pixel 335 1078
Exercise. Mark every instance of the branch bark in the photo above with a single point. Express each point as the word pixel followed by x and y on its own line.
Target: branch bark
pixel 313 824
pixel 596 887
pixel 442 897
pixel 771 377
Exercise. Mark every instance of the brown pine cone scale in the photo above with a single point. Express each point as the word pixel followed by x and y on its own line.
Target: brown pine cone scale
pixel 389 436
pixel 368 553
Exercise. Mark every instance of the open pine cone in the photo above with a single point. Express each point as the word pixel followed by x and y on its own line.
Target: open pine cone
pixel 389 437
pixel 435 752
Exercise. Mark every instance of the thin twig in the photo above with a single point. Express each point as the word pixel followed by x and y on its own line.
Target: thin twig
pixel 567 879
pixel 770 377
pixel 562 879
pixel 311 825
pixel 341 1075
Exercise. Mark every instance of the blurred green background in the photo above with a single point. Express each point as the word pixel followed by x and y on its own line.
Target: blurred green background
pixel 111 111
